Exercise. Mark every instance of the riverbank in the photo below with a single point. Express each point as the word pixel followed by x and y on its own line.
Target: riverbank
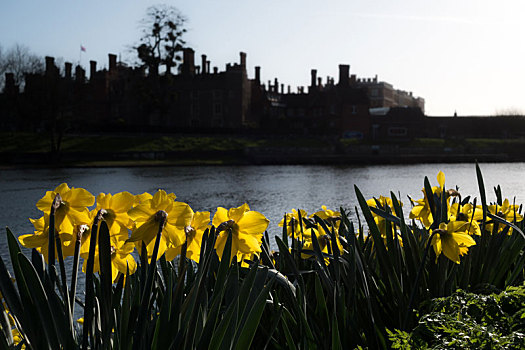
pixel 129 150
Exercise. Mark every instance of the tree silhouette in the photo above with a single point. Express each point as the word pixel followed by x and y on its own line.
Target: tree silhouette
pixel 161 41
pixel 19 60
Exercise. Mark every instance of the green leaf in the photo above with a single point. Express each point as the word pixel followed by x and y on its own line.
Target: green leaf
pixel 252 321
pixel 104 253
pixel 42 305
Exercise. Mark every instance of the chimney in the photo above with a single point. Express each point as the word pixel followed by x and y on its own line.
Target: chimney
pixel 203 65
pixel 92 69
pixel 112 62
pixel 215 70
pixel 282 88
pixel 289 89
pixel 243 59
pixel 344 70
pixel 269 85
pixel 207 66
pixel 197 69
pixel 375 79
pixel 319 82
pixel 313 72
pixel 80 74
pixel 67 68
pixel 188 62
pixel 276 85
pixel 50 65
pixel 258 74
pixel 352 79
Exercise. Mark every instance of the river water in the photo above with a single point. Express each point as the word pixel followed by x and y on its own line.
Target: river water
pixel 271 190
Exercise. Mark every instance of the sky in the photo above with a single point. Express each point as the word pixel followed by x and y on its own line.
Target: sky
pixel 466 56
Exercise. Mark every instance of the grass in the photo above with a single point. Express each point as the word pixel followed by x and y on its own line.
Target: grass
pixel 40 143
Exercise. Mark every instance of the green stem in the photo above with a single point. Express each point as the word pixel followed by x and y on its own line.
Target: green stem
pixel 76 258
pixel 88 305
pixel 416 282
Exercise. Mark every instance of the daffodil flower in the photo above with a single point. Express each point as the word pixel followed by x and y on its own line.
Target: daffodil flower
pixel 147 219
pixel 421 210
pixel 121 258
pixel 247 229
pixel 72 209
pixel 116 211
pixel 452 240
pixel 332 217
pixel 200 221
pixel 507 212
pixel 293 227
pixel 385 204
pixel 324 240
pixel 40 239
pixel 469 214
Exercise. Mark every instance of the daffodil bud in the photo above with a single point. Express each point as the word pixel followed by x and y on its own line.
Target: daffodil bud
pixel 56 204
pixel 190 232
pixel 80 231
pixel 452 193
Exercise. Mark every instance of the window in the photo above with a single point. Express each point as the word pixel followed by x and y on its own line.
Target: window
pixel 374 92
pixel 397 131
pixel 217 94
pixel 217 109
pixel 217 122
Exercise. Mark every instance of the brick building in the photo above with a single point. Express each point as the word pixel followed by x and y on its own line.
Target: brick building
pixel 200 98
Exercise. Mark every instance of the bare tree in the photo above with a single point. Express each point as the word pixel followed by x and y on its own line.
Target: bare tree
pixel 161 41
pixel 19 60
pixel 509 112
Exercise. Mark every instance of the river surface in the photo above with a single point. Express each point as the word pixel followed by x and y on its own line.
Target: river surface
pixel 271 190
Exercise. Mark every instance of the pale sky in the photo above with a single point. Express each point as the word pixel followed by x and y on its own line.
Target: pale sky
pixel 466 56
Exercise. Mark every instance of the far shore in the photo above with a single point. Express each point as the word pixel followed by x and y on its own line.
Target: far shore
pixel 114 150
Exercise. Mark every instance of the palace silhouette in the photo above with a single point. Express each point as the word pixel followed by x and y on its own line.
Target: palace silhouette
pixel 203 99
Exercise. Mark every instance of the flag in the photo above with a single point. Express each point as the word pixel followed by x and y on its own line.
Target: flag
pixel 82 48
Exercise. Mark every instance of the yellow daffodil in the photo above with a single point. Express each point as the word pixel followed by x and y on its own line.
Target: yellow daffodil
pixel 421 210
pixel 386 204
pixel 332 217
pixel 308 247
pixel 147 219
pixel 469 214
pixel 40 239
pixel 293 227
pixel 324 241
pixel 194 231
pixel 73 207
pixel 452 239
pixel 247 228
pixel 505 211
pixel 121 258
pixel 116 211
pixel 17 337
